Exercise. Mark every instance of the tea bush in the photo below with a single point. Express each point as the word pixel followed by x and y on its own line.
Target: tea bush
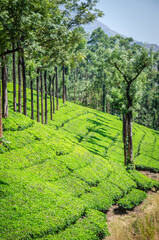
pixel 133 198
pixel 57 179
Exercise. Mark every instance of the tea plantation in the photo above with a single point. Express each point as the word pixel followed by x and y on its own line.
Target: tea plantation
pixel 58 180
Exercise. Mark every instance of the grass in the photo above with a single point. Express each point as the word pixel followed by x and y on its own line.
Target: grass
pixel 56 180
pixel 142 224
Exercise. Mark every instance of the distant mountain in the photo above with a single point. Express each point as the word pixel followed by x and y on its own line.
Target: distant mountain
pixel 90 27
pixel 149 45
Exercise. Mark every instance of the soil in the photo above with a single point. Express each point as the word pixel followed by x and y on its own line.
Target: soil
pixel 117 216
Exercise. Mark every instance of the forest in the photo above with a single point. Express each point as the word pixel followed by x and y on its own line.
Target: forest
pixel 79 112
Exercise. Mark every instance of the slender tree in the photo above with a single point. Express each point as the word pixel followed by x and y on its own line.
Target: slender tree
pixel 19 84
pixel 50 92
pixel 5 112
pixel 57 101
pixel 37 83
pixel 104 99
pixel 65 93
pixel 53 93
pixel 24 86
pixel 1 127
pixel 14 81
pixel 63 83
pixel 32 102
pixel 75 85
pixel 45 82
pixel 42 108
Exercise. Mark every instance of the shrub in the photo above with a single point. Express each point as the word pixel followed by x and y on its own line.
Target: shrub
pixel 142 181
pixel 132 199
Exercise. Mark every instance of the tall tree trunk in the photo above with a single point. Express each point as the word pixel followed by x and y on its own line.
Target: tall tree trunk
pixel 125 138
pixel 130 144
pixel 50 97
pixel 32 103
pixel 65 93
pixel 63 84
pixel 129 128
pixel 86 96
pixel 107 107
pixel 57 102
pixel 14 81
pixel 19 84
pixel 45 82
pixel 24 86
pixel 37 82
pixel 104 99
pixel 53 92
pixel 81 97
pixel 1 127
pixel 5 112
pixel 75 86
pixel 42 108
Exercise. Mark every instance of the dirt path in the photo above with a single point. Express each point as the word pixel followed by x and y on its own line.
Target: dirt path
pixel 138 224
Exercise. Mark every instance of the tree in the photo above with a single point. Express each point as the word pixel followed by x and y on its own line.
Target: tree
pixel 14 81
pixel 37 83
pixel 129 64
pixel 19 83
pixel 1 128
pixel 5 112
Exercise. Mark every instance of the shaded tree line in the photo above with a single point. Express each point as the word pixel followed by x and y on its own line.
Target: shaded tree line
pixel 42 36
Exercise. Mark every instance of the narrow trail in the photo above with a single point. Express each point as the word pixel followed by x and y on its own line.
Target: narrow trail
pixel 120 223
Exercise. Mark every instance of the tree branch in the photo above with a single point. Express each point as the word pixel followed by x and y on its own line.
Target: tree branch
pixel 138 73
pixel 9 51
pixel 115 65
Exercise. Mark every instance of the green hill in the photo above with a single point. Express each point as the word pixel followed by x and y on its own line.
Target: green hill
pixel 58 180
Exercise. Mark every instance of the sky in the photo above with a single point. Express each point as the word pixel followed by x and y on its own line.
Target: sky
pixel 138 19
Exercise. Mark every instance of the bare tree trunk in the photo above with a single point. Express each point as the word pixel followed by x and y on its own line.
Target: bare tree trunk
pixel 129 128
pixel 37 82
pixel 45 82
pixel 24 87
pixel 5 112
pixel 57 103
pixel 104 99
pixel 14 82
pixel 130 145
pixel 19 84
pixel 107 107
pixel 86 96
pixel 65 93
pixel 81 97
pixel 63 84
pixel 42 108
pixel 53 92
pixel 125 140
pixel 75 86
pixel 1 126
pixel 50 97
pixel 32 103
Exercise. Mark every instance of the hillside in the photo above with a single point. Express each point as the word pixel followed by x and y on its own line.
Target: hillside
pixel 90 27
pixel 58 180
pixel 96 24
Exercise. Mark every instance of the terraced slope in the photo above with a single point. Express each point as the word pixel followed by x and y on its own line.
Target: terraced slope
pixel 58 180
